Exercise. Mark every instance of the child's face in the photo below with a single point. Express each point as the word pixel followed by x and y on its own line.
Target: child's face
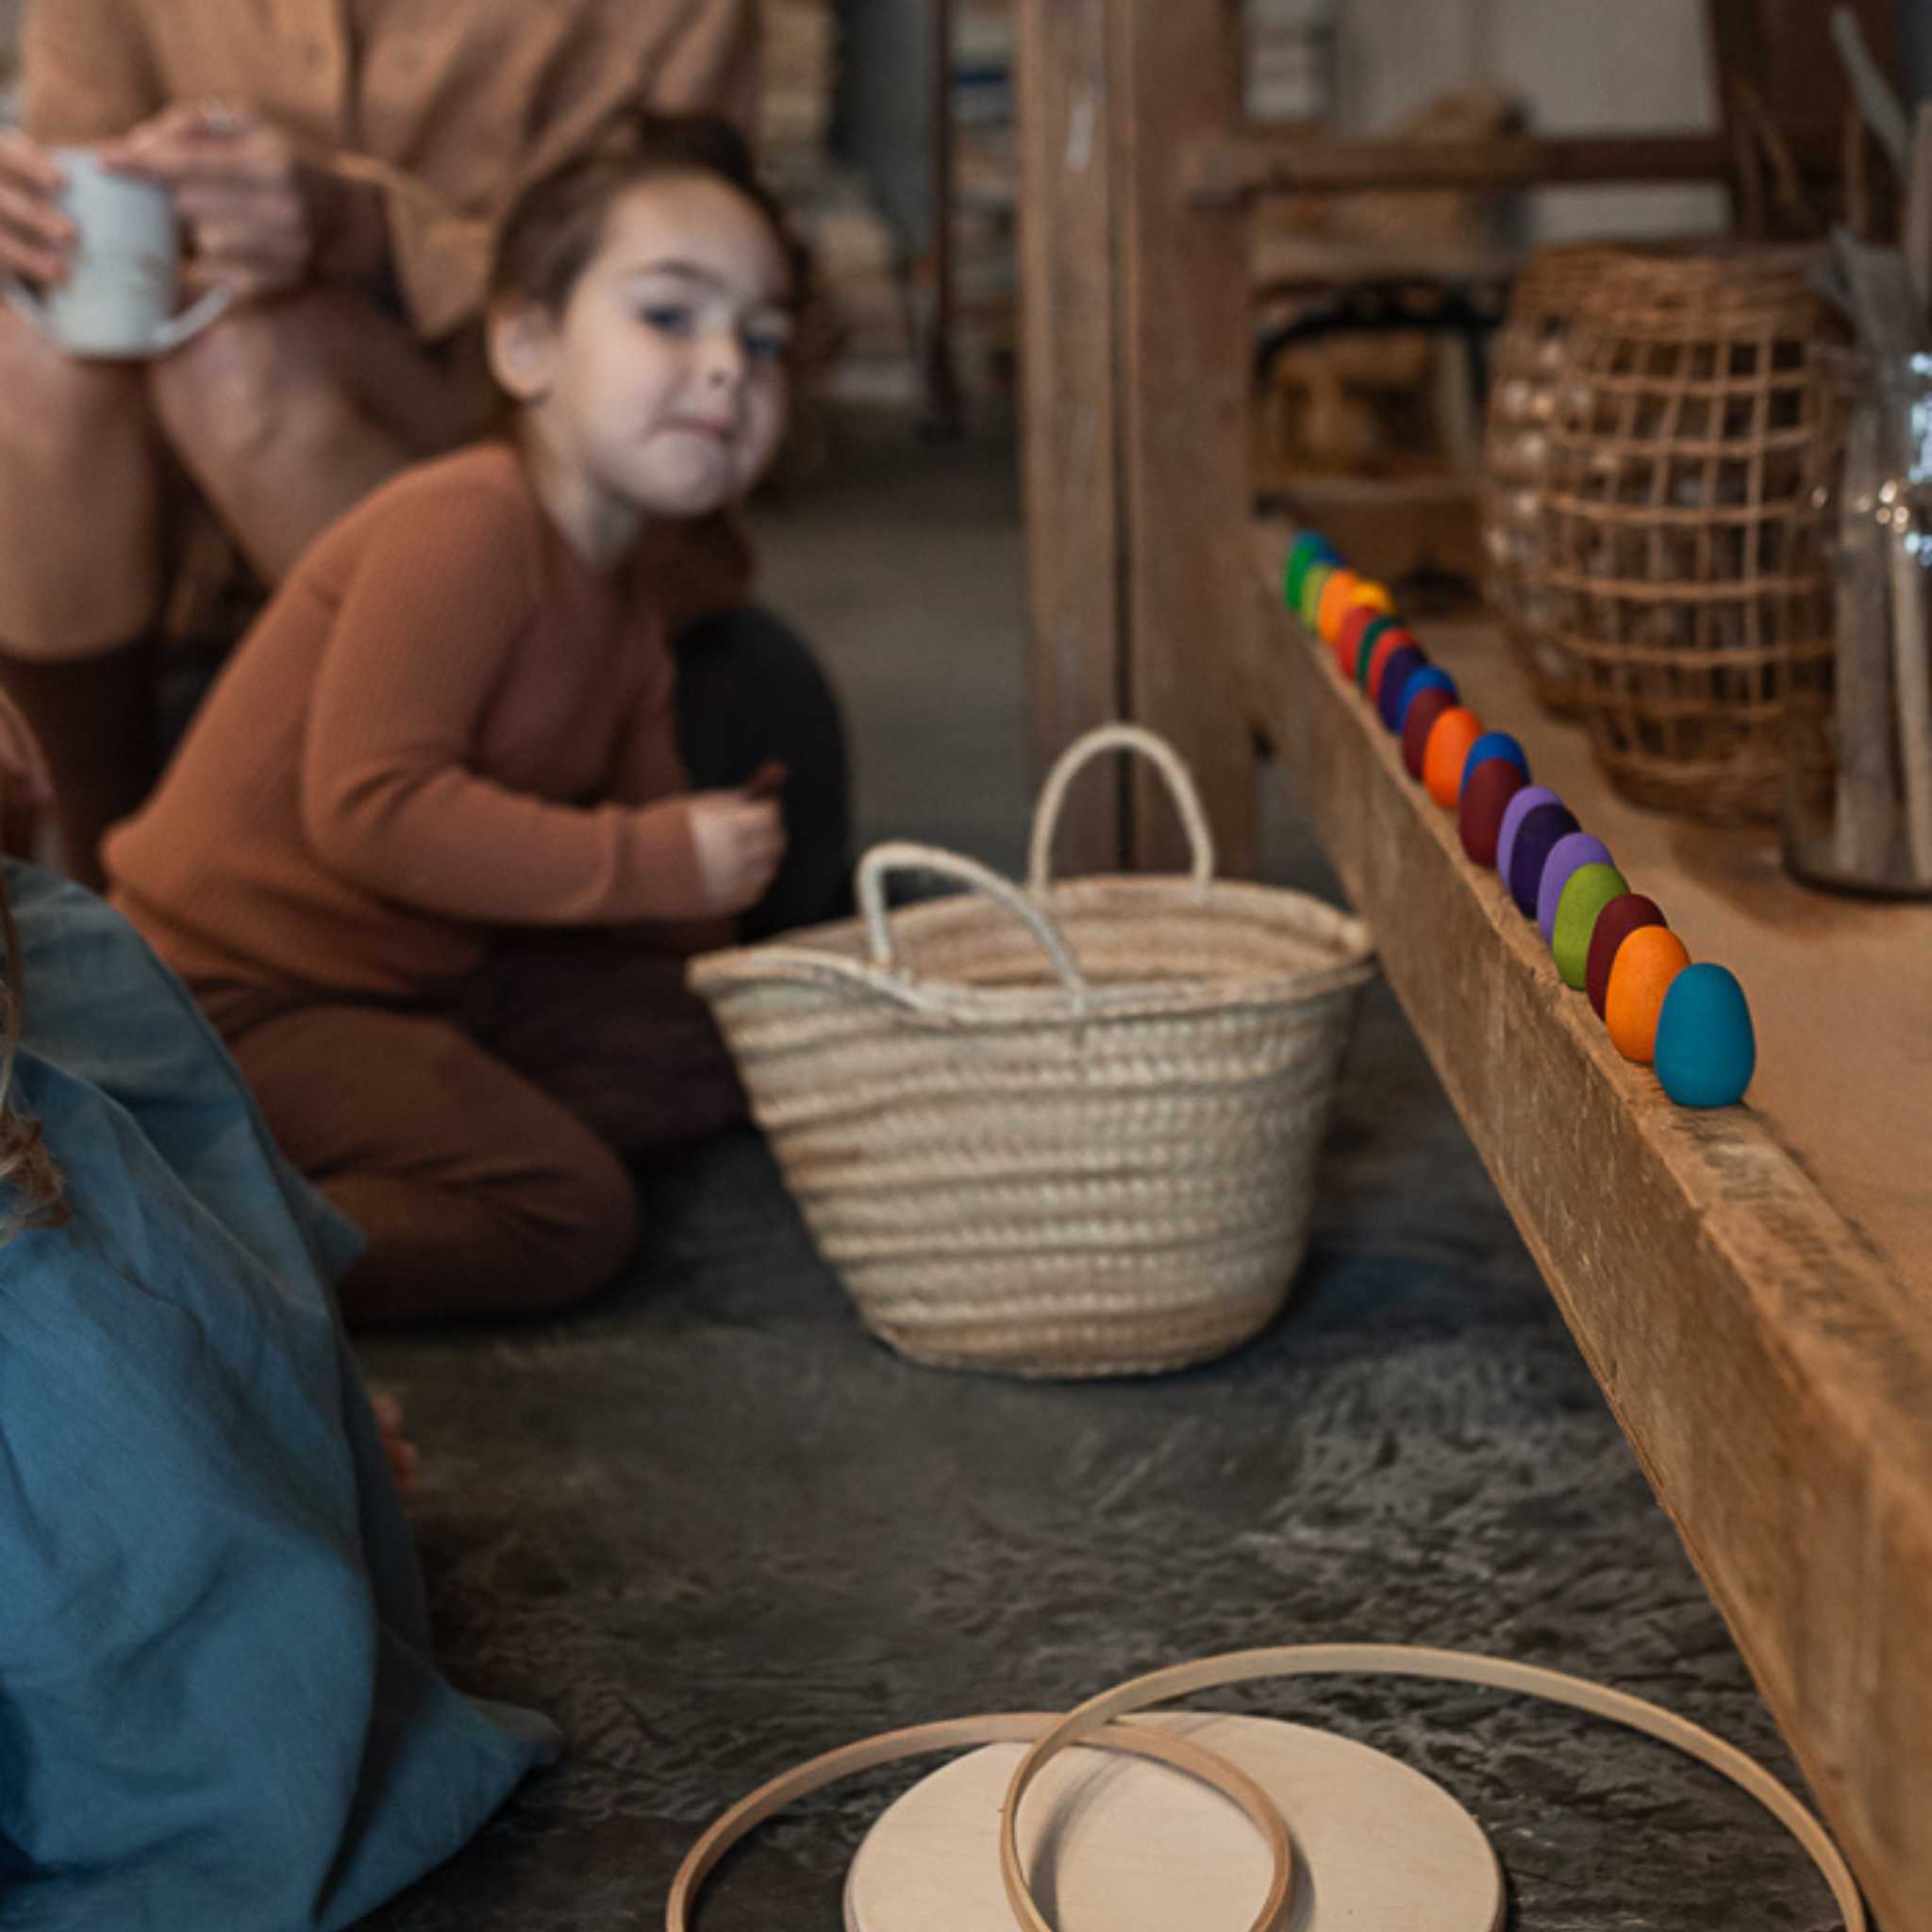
pixel 662 386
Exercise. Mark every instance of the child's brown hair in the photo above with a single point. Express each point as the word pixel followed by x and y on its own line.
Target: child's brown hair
pixel 30 1182
pixel 553 230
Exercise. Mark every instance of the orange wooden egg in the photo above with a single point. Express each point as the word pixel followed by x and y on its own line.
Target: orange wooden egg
pixel 1337 595
pixel 1646 962
pixel 1450 738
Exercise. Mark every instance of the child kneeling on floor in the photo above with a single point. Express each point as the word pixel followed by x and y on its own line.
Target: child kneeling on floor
pixel 429 856
pixel 222 1707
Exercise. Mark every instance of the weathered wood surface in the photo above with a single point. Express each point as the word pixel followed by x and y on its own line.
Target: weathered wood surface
pixel 1752 1287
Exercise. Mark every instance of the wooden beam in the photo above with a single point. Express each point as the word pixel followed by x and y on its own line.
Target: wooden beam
pixel 1182 354
pixel 1769 1360
pixel 1075 672
pixel 1220 170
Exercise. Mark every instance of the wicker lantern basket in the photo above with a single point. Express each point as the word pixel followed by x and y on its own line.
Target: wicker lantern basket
pixel 1682 566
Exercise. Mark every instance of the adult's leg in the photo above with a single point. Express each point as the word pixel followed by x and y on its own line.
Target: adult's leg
pixel 285 413
pixel 749 689
pixel 479 1195
pixel 79 576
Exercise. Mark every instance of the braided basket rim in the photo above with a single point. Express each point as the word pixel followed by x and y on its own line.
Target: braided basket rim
pixel 807 958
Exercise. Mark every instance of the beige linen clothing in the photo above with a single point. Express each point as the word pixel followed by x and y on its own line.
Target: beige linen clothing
pixel 451 105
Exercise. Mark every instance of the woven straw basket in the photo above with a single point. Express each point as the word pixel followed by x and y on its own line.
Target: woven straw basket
pixel 1064 1131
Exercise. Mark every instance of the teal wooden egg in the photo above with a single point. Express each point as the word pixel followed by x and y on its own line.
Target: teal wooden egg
pixel 1706 1049
pixel 1585 894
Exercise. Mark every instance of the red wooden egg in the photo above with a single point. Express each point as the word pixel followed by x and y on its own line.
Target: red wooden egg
pixel 1386 647
pixel 1486 794
pixel 1614 924
pixel 1418 723
pixel 1348 639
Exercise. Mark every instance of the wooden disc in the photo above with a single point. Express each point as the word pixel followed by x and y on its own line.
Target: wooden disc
pixel 1116 1844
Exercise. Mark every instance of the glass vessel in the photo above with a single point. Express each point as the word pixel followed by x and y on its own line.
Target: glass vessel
pixel 1856 802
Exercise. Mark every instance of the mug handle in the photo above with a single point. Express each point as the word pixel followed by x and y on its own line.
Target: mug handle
pixel 192 321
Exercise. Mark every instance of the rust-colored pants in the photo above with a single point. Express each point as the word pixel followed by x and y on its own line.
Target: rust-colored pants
pixel 484 1145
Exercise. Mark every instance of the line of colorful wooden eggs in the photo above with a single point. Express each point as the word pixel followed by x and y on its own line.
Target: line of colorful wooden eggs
pixel 1690 1020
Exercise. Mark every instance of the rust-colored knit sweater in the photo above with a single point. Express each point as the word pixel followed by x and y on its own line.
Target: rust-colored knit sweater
pixel 446 724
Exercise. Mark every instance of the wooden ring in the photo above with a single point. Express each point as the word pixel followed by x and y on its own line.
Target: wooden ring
pixel 954 1734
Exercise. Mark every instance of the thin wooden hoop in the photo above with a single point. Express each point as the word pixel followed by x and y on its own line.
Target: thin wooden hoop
pixel 954 1734
pixel 1403 1660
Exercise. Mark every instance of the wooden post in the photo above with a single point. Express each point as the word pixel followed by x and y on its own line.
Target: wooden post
pixel 1066 303
pixel 1137 376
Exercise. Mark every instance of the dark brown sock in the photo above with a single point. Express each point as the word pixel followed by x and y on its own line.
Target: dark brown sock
pixel 94 718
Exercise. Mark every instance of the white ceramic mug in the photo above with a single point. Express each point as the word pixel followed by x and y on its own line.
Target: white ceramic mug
pixel 118 299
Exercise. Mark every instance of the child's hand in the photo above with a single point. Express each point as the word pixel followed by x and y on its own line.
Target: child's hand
pixel 402 1459
pixel 740 840
pixel 24 778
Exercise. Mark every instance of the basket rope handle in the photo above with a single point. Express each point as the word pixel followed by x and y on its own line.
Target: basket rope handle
pixel 1106 737
pixel 899 855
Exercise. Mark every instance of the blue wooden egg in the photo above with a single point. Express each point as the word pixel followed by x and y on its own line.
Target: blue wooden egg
pixel 1496 744
pixel 1430 677
pixel 1706 1049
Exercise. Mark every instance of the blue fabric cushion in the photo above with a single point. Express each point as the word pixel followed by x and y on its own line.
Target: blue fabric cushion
pixel 219 1706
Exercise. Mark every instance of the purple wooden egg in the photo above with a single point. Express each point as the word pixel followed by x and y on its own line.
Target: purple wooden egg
pixel 1520 807
pixel 1402 665
pixel 1536 837
pixel 1566 854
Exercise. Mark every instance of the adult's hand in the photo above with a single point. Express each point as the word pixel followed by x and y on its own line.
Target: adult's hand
pixel 260 217
pixel 35 235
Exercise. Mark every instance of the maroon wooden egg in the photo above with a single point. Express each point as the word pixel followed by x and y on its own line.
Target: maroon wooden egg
pixel 1417 726
pixel 1614 924
pixel 1486 794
